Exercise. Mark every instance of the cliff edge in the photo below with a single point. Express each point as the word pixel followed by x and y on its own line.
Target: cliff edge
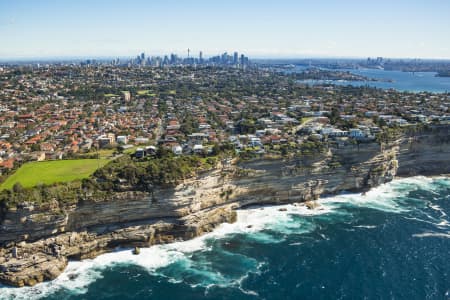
pixel 36 241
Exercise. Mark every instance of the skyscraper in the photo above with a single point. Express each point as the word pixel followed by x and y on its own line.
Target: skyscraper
pixel 224 58
pixel 173 59
pixel 236 58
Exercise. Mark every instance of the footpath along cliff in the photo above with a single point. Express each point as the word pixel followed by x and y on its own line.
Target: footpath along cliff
pixel 36 241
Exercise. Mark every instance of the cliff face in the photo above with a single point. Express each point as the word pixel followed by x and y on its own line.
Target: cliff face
pixel 38 240
pixel 425 153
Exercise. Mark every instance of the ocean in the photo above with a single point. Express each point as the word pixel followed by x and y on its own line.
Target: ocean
pixel 391 243
pixel 401 81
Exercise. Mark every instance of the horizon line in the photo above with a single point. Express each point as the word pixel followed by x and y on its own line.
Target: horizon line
pixel 27 58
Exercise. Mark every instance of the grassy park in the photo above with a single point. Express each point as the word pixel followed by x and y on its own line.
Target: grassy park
pixel 48 172
pixel 146 93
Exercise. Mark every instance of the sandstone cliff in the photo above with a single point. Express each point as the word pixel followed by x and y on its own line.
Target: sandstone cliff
pixel 425 153
pixel 37 240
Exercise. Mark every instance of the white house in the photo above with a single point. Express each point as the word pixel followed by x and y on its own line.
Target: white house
pixel 177 150
pixel 198 148
pixel 139 153
pixel 122 139
pixel 356 133
pixel 338 133
pixel 141 140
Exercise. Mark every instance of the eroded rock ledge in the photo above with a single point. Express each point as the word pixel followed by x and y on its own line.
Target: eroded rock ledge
pixel 37 241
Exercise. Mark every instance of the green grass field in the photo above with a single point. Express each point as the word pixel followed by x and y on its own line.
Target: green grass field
pixel 145 93
pixel 48 172
pixel 305 120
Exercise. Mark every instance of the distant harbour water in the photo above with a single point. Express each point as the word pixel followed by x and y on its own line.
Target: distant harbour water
pixel 391 243
pixel 401 81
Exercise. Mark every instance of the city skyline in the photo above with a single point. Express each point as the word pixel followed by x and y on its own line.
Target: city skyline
pixel 260 29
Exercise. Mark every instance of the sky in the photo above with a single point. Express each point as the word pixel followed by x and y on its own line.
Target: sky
pixel 258 28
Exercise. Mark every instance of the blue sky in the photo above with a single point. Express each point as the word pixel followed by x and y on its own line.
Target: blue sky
pixel 281 28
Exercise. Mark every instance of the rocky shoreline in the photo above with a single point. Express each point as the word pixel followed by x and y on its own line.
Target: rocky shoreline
pixel 36 241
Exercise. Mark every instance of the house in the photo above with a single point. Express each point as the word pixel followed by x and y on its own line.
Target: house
pixel 126 95
pixel 173 125
pixel 87 145
pixel 7 164
pixel 327 130
pixel 397 121
pixel 140 153
pixel 47 147
pixel 177 150
pixel 275 139
pixel 260 133
pixel 141 140
pixel 39 156
pixel 255 142
pixel 122 139
pixel 198 149
pixel 370 113
pixel 356 133
pixel 198 137
pixel 151 150
pixel 103 141
pixel 348 117
pixel 338 133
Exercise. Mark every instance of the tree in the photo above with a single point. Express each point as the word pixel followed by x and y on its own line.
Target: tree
pixel 35 147
pixel 162 152
pixel 381 122
pixel 215 149
pixel 18 188
pixel 334 115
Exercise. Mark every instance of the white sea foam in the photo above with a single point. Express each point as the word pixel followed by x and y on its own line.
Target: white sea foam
pixel 432 234
pixel 386 196
pixel 284 219
pixel 443 223
pixel 440 221
pixel 381 198
pixel 366 226
pixel 79 274
pixel 257 219
pixel 76 277
pixel 438 208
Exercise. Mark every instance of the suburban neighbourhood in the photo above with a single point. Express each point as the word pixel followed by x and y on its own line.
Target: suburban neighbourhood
pixel 75 111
